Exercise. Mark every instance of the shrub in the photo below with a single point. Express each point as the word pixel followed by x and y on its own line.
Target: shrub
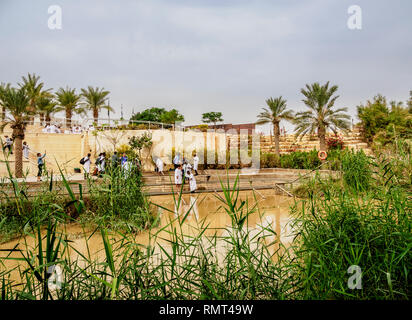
pixel 300 160
pixel 338 232
pixel 269 160
pixel 357 171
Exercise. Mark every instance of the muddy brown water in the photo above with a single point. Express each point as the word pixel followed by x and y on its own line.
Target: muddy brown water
pixel 272 211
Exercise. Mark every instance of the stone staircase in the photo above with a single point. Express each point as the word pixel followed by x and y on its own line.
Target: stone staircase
pixel 210 180
pixel 280 180
pixel 288 143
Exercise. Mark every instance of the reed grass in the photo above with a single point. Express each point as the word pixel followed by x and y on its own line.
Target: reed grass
pixel 333 229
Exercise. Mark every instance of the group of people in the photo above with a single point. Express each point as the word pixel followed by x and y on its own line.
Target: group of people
pixel 100 163
pixel 183 170
pixel 26 150
pixel 8 144
pixel 52 128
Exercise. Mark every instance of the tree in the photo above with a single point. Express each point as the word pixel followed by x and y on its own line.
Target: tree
pixel 141 142
pixel 171 117
pixel 378 118
pixel 212 117
pixel 46 106
pixel 410 102
pixel 95 99
pixel 34 90
pixel 373 116
pixel 114 136
pixel 68 101
pixel 17 103
pixel 276 112
pixel 321 116
pixel 3 109
pixel 151 114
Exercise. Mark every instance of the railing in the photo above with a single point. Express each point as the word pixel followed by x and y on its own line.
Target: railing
pixel 102 123
pixel 121 122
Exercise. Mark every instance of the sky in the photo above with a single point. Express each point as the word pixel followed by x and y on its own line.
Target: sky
pixel 211 55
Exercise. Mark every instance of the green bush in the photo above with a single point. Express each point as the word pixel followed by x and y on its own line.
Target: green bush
pixel 119 201
pixel 300 160
pixel 357 170
pixel 269 160
pixel 344 230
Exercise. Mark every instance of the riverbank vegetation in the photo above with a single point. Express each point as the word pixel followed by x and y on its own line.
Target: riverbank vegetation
pixel 362 220
pixel 115 201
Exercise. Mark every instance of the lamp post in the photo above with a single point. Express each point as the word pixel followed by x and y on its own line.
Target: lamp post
pixel 108 110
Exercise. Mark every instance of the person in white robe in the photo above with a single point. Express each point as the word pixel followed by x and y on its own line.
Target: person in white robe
pixel 178 176
pixel 192 182
pixel 86 165
pixel 185 167
pixel 159 165
pixel 101 163
pixel 195 163
pixel 176 160
pixel 26 150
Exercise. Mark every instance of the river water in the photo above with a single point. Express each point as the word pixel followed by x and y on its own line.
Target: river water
pixel 206 209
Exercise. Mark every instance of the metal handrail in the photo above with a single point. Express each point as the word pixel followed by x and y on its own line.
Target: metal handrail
pixel 117 122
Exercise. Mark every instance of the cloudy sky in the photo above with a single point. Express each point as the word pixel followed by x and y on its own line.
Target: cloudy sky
pixel 211 55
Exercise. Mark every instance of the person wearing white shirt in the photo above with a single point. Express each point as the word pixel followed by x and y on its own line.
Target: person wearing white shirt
pixel 86 165
pixel 178 176
pixel 26 150
pixel 184 167
pixel 159 165
pixel 195 163
pixel 192 181
pixel 101 163
pixel 176 160
pixel 186 170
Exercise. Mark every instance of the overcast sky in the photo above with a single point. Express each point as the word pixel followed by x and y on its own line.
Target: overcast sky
pixel 211 55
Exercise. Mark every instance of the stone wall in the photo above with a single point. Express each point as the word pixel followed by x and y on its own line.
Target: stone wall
pixel 288 143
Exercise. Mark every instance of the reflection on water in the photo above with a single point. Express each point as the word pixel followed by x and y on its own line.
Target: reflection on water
pixel 270 211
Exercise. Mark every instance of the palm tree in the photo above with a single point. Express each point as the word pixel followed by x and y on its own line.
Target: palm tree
pixel 17 102
pixel 69 102
pixel 320 100
pixel 46 106
pixel 276 112
pixel 34 89
pixel 3 87
pixel 95 100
